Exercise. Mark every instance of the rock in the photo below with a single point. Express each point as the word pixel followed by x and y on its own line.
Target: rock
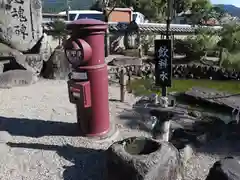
pixel 163 131
pixel 125 61
pixel 209 95
pixel 131 52
pixel 1 67
pixel 4 136
pixel 45 49
pixel 233 130
pixel 14 78
pixel 35 62
pixel 142 159
pixel 184 121
pixel 30 62
pixel 195 114
pixel 61 66
pixel 21 23
pixel 181 137
pixel 11 65
pixel 186 153
pixel 225 169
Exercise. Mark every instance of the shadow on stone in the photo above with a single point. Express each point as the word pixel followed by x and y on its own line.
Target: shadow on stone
pixel 37 128
pixel 114 100
pixel 132 120
pixel 225 169
pixel 88 163
pixel 12 65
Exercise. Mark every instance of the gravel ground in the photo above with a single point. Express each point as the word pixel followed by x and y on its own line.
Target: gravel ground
pixel 37 140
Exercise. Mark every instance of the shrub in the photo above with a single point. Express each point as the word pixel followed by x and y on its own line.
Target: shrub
pixel 197 46
pixel 230 38
pixel 147 42
pixel 231 61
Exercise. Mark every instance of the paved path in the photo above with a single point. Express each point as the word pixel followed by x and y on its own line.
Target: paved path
pixel 37 135
pixel 37 140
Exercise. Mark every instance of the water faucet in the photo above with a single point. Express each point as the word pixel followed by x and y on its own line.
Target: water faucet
pixel 154 98
pixel 237 115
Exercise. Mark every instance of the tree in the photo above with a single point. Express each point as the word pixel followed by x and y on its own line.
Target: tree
pixel 217 12
pixel 230 38
pixel 98 6
pixel 102 5
pixel 200 11
pixel 182 5
pixel 154 10
pixel 58 30
pixel 229 46
pixel 203 10
pixel 202 43
pixel 150 8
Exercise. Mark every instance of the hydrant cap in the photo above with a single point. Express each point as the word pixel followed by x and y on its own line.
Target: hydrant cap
pixel 87 24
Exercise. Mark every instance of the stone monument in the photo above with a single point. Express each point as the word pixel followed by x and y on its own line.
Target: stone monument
pixel 21 35
pixel 21 23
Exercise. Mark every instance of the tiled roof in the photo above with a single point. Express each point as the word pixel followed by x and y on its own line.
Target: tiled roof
pixel 152 28
pixel 148 27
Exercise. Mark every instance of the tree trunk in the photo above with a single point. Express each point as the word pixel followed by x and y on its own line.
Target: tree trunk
pixel 59 41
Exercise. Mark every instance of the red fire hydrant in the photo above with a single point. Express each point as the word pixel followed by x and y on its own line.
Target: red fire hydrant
pixel 88 81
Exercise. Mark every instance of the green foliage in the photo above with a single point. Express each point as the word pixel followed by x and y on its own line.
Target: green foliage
pixel 61 5
pixel 231 61
pixel 98 6
pixel 154 10
pixel 147 42
pixel 230 38
pixel 58 30
pixel 201 44
pixel 230 43
pixel 182 5
pixel 200 11
pixel 203 10
pixel 145 86
pixel 217 12
pixel 225 43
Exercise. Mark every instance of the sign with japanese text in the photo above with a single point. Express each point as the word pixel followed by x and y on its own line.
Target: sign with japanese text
pixel 163 62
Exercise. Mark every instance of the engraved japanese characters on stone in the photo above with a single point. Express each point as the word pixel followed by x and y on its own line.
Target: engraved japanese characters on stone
pixel 19 14
pixel 25 19
pixel 20 30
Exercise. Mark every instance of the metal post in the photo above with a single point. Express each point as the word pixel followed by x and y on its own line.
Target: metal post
pixel 107 40
pixel 164 89
pixel 67 10
pixel 107 43
pixel 122 85
pixel 168 22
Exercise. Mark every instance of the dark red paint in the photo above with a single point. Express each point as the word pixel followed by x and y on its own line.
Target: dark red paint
pixel 93 117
